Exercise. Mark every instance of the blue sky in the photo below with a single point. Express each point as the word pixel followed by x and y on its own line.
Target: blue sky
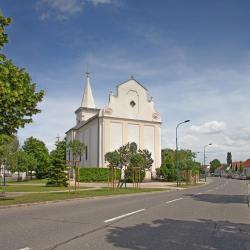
pixel 193 56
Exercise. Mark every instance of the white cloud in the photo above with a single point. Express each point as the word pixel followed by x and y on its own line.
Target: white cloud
pixel 212 127
pixel 59 9
pixel 63 9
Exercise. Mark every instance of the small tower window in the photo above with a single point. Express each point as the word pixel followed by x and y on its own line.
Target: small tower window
pixel 132 104
pixel 86 153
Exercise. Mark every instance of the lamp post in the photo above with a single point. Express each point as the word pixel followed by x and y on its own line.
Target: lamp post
pixel 177 160
pixel 204 160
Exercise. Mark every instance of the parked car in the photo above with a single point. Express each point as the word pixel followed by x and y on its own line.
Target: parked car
pixel 243 177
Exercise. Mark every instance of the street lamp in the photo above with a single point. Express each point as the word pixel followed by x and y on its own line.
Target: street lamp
pixel 177 160
pixel 204 161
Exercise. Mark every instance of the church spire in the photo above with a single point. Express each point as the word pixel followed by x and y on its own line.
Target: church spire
pixel 88 100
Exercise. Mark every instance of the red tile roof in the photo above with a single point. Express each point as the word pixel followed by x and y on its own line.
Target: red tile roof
pixel 246 163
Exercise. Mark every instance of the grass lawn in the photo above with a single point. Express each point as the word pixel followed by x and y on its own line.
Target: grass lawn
pixel 35 181
pixel 30 188
pixel 38 197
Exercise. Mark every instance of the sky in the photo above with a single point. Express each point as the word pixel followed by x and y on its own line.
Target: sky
pixel 193 57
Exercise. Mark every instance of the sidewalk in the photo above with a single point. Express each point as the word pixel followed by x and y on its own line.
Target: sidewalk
pixel 152 184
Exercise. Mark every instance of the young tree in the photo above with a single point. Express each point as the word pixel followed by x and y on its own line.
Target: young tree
pixel 76 148
pixel 214 164
pixel 39 151
pixel 18 96
pixel 57 172
pixel 136 161
pixel 8 153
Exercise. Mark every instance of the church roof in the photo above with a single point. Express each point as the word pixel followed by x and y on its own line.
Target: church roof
pixel 132 78
pixel 82 123
pixel 87 100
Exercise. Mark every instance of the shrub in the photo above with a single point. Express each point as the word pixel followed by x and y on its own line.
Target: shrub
pixel 96 174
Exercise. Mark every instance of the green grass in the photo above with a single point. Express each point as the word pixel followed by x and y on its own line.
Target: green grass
pixel 30 188
pixel 41 197
pixel 36 181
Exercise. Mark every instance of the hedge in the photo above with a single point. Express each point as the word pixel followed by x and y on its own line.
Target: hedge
pixel 96 174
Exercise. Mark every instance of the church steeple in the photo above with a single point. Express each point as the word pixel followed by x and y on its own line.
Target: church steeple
pixel 87 100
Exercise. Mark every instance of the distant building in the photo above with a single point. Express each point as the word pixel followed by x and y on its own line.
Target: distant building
pixel 246 167
pixel 236 165
pixel 130 116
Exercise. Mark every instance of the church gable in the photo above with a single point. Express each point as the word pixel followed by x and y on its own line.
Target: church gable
pixel 132 102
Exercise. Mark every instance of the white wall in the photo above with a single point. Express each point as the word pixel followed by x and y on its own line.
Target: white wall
pixel 115 135
pixel 134 133
pixel 119 105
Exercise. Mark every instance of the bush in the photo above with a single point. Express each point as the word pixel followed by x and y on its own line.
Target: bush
pixel 97 174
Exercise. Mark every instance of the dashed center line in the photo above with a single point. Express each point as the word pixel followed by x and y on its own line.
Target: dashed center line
pixel 26 248
pixel 124 215
pixel 167 202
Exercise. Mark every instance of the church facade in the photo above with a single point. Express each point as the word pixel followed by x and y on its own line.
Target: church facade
pixel 130 116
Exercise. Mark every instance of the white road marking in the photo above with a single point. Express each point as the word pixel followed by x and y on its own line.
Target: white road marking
pixel 26 248
pixel 124 215
pixel 198 193
pixel 167 202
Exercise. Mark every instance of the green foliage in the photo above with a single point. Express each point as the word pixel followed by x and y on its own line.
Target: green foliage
pixel 8 151
pixel 76 148
pixel 147 157
pixel 18 97
pixel 38 150
pixel 4 21
pixel 185 159
pixel 57 172
pixel 128 157
pixel 113 158
pixel 96 174
pixel 124 152
pixel 214 164
pixel 26 163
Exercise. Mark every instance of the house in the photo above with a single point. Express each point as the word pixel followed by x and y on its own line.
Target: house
pixel 246 167
pixel 236 165
pixel 129 116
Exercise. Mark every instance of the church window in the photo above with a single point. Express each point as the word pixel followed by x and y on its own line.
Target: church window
pixel 86 153
pixel 132 104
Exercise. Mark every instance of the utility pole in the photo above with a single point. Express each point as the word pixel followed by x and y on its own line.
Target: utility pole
pixel 204 160
pixel 176 157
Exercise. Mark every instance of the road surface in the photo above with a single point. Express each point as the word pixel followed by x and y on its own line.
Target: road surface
pixel 213 216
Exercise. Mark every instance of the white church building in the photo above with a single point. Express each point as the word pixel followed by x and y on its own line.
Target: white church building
pixel 130 116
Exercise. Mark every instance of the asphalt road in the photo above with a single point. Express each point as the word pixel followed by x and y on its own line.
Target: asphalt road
pixel 214 216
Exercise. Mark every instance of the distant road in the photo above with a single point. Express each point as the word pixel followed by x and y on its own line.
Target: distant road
pixel 214 216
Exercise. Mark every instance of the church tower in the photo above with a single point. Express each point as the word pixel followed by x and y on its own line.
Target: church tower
pixel 87 108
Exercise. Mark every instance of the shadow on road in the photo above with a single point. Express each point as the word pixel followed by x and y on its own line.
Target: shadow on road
pixel 179 234
pixel 220 198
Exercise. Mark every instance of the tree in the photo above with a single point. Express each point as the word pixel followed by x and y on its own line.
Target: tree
pixel 76 148
pixel 147 156
pixel 136 161
pixel 214 164
pixel 18 96
pixel 8 152
pixel 39 151
pixel 57 175
pixel 229 159
pixel 113 158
